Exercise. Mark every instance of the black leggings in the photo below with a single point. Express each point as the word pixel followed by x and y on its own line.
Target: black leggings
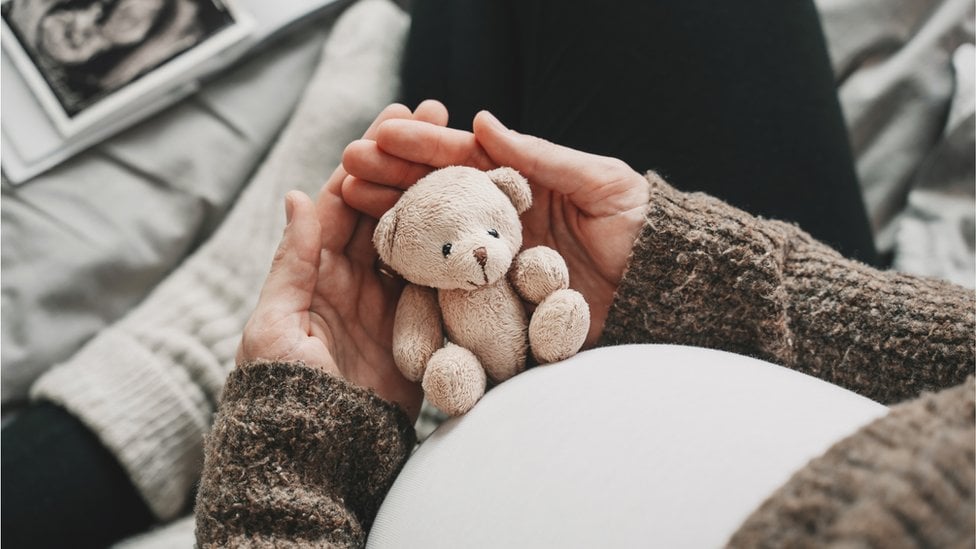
pixel 733 99
pixel 61 487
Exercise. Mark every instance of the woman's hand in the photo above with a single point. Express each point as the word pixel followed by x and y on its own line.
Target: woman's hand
pixel 323 302
pixel 589 208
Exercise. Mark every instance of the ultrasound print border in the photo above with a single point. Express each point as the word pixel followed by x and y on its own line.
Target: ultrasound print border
pixel 172 75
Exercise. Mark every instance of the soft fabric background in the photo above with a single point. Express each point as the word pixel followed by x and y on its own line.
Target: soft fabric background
pixel 905 70
pixel 148 384
pixel 85 244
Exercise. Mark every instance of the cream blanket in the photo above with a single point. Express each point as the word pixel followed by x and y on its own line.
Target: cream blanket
pixel 148 385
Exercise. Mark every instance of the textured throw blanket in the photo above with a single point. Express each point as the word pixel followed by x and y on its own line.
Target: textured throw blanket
pixel 148 385
pixel 905 71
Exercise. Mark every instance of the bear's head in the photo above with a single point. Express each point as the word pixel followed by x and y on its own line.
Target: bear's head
pixel 456 228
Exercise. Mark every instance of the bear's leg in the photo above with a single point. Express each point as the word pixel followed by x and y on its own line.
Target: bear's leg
pixel 454 380
pixel 559 326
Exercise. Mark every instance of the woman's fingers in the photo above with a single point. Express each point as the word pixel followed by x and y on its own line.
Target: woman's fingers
pixel 364 159
pixel 593 182
pixel 431 111
pixel 552 166
pixel 360 248
pixel 337 219
pixel 294 270
pixel 435 146
pixel 395 110
pixel 369 198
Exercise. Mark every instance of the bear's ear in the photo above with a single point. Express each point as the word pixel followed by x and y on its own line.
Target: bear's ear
pixel 385 233
pixel 514 186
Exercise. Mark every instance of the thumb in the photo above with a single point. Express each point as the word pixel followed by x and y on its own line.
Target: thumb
pixel 294 269
pixel 552 166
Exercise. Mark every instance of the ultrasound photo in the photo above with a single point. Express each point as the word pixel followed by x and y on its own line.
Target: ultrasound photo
pixel 87 49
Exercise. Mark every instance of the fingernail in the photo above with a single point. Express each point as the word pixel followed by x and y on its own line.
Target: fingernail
pixel 289 208
pixel 494 122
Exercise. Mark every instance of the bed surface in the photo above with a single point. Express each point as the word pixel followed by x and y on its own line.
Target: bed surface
pixel 84 243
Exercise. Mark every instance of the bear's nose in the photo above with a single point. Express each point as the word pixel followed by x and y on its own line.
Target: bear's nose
pixel 481 254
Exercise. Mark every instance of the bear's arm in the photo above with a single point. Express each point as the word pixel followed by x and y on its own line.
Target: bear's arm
pixel 537 272
pixel 418 330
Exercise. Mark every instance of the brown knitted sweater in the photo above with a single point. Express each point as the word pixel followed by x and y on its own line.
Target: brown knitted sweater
pixel 297 457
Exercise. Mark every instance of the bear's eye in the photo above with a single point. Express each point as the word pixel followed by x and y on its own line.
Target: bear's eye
pixel 493 233
pixel 446 250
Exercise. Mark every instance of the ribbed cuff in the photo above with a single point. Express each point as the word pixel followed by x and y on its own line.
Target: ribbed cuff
pixel 297 454
pixel 147 412
pixel 706 274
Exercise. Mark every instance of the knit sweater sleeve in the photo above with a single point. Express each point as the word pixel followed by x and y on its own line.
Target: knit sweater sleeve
pixel 297 457
pixel 704 273
pixel 904 480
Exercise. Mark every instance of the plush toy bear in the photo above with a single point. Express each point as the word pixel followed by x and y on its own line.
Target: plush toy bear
pixel 455 236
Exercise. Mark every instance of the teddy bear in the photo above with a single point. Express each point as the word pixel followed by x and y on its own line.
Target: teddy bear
pixel 455 236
